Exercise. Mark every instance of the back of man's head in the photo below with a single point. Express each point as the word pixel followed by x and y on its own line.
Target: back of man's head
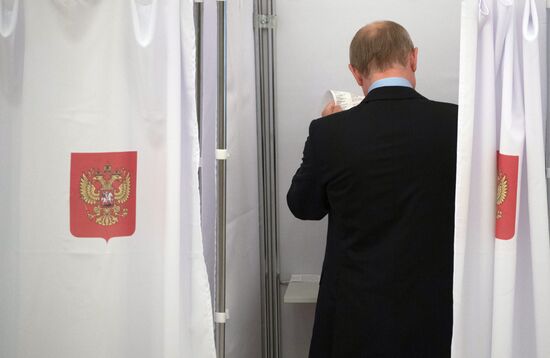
pixel 379 46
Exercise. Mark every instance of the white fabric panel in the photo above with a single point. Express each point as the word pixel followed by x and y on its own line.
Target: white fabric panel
pixel 312 45
pixel 500 285
pixel 467 342
pixel 539 267
pixel 102 76
pixel 200 324
pixel 510 111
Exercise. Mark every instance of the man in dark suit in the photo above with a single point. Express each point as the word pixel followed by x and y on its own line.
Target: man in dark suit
pixel 384 172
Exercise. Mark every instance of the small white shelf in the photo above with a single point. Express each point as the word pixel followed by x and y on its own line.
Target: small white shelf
pixel 302 289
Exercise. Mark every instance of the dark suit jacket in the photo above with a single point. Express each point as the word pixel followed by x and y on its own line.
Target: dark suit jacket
pixel 384 172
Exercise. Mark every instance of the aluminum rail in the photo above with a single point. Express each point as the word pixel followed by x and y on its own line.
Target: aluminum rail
pixel 221 182
pixel 264 23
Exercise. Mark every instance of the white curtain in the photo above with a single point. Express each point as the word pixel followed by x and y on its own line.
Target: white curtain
pixel 502 244
pixel 96 77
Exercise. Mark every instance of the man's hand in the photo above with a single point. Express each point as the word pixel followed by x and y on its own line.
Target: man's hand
pixel 331 108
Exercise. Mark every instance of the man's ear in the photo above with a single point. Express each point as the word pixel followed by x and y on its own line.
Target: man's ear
pixel 414 59
pixel 357 75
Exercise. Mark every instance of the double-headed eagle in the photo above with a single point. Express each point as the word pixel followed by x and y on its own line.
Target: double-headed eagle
pixel 502 192
pixel 106 192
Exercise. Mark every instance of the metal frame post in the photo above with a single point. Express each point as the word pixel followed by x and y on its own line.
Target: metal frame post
pixel 264 23
pixel 221 176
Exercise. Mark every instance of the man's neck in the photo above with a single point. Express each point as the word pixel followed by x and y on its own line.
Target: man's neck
pixel 392 72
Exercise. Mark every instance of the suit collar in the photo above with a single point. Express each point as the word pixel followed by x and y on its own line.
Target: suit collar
pixel 391 93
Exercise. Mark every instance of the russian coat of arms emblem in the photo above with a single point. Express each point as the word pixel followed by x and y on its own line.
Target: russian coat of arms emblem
pixel 107 200
pixel 103 194
pixel 506 196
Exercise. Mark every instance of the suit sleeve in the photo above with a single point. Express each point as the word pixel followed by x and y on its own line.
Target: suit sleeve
pixel 307 197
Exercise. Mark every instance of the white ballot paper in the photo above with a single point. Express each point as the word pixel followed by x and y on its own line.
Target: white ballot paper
pixel 346 100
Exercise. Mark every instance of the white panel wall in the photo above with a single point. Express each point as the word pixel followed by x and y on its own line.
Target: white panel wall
pixel 312 57
pixel 208 142
pixel 243 279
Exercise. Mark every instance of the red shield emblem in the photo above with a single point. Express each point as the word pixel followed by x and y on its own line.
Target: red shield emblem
pixel 507 189
pixel 103 194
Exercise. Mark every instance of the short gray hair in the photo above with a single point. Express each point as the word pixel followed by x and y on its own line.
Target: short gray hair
pixel 379 46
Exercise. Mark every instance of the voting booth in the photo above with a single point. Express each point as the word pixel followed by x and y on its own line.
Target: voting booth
pixel 147 146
